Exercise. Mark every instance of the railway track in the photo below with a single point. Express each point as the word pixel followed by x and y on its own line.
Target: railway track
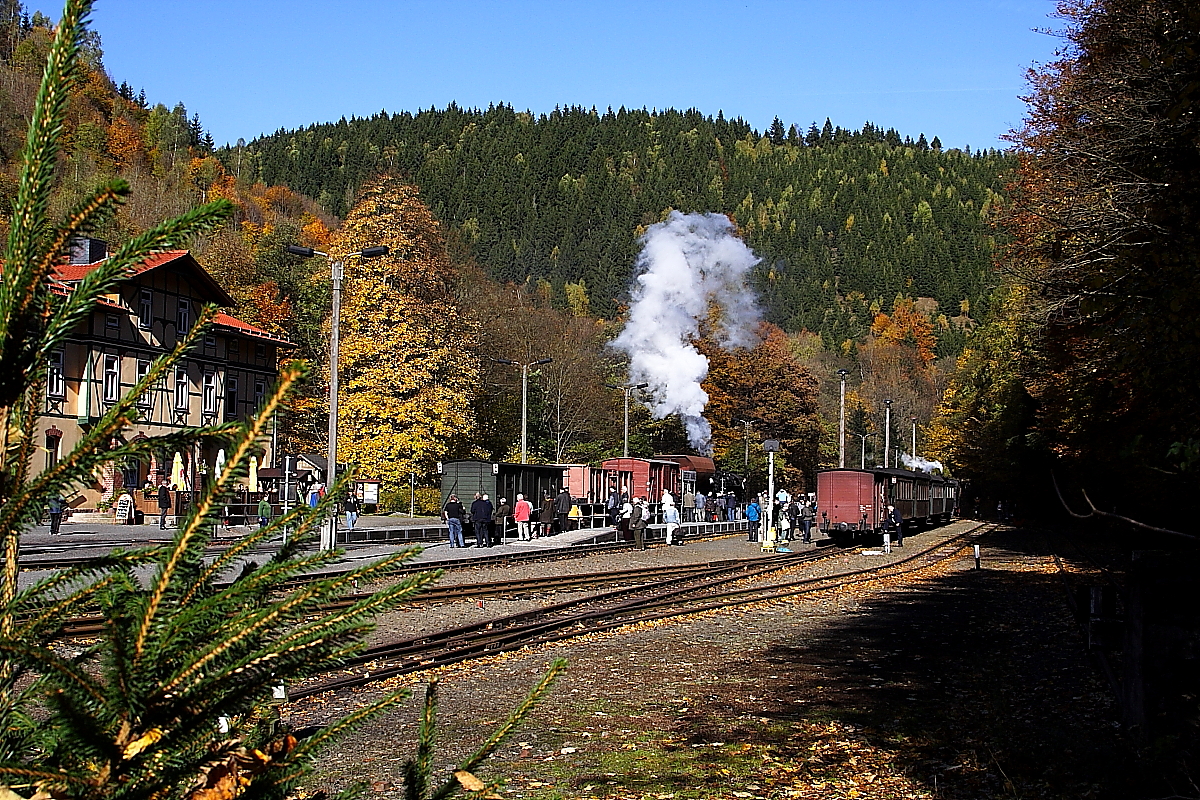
pixel 699 591
pixel 93 625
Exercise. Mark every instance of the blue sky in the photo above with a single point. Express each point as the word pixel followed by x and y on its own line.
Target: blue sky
pixel 951 68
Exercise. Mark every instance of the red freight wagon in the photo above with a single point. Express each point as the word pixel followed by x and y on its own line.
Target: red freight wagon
pixel 850 500
pixel 645 477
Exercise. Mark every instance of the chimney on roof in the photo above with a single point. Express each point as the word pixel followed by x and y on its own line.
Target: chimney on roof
pixel 85 250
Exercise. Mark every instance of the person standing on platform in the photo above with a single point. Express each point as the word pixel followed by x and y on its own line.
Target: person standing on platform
pixel 895 524
pixel 481 516
pixel 613 507
pixel 562 507
pixel 626 515
pixel 264 512
pixel 637 522
pixel 546 515
pixel 55 507
pixel 522 511
pixel 164 504
pixel 453 512
pixel 351 507
pixel 689 506
pixel 671 518
pixel 698 511
pixel 752 516
pixel 731 507
pixel 500 520
pixel 808 515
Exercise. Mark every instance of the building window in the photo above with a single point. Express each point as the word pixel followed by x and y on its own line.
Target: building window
pixel 183 316
pixel 53 447
pixel 231 394
pixel 210 392
pixel 56 382
pixel 210 341
pixel 112 321
pixel 260 350
pixel 112 379
pixel 146 309
pixel 181 389
pixel 233 349
pixel 260 393
pixel 143 369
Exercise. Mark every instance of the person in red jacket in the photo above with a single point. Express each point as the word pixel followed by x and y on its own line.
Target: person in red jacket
pixel 522 511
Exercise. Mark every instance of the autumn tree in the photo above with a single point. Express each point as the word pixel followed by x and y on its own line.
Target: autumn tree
pixel 1105 259
pixel 407 352
pixel 768 385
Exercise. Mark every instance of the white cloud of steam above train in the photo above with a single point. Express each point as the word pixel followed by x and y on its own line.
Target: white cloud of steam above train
pixel 687 263
pixel 920 464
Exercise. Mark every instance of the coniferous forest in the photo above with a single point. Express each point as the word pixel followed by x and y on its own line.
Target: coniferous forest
pixel 845 221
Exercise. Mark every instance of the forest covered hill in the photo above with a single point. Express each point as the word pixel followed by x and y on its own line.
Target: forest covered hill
pixel 845 221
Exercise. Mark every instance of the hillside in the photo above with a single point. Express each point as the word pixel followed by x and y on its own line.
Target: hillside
pixel 845 220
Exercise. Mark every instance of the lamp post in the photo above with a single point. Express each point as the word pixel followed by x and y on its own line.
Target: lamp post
pixel 329 532
pixel 842 421
pixel 772 447
pixel 887 431
pixel 524 399
pixel 746 437
pixel 862 453
pixel 914 439
pixel 626 388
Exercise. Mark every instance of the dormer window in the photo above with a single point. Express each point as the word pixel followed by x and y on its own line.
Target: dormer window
pixel 183 316
pixel 145 309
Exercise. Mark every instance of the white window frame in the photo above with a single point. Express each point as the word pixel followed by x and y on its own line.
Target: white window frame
pixel 182 390
pixel 112 378
pixel 56 378
pixel 210 391
pixel 260 394
pixel 146 309
pixel 143 369
pixel 183 316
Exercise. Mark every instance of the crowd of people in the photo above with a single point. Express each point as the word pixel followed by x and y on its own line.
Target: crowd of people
pixel 793 517
pixel 490 521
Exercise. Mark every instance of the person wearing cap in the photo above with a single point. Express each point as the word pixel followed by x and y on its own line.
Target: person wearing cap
pixel 638 521
pixel 562 508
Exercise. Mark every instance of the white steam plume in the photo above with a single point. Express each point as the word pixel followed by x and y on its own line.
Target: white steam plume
pixel 920 464
pixel 686 263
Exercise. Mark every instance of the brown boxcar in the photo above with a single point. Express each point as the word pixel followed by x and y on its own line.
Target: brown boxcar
pixel 854 501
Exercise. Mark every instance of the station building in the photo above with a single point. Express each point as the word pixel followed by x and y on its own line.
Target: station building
pixel 225 377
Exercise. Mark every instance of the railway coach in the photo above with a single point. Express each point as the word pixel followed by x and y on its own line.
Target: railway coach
pixel 853 502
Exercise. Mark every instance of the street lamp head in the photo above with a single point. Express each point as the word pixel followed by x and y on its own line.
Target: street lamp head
pixel 541 361
pixel 303 252
pixel 639 386
pixel 887 403
pixel 374 252
pixel 503 361
pixel 612 386
pixel 843 373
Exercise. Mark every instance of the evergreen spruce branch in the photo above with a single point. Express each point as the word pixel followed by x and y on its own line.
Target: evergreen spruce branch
pixel 82 219
pixel 36 182
pixel 25 421
pixel 92 450
pixel 418 771
pixel 75 678
pixel 249 628
pixel 121 264
pixel 291 373
pixel 51 617
pixel 37 776
pixel 505 730
pixel 313 745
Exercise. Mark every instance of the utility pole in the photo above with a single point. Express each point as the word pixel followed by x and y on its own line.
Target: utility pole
pixel 842 421
pixel 914 438
pixel 887 432
pixel 627 388
pixel 746 437
pixel 524 399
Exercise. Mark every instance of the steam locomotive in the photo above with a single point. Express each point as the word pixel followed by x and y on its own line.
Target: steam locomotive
pixel 853 502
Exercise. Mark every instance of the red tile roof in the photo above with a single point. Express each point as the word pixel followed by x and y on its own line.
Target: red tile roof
pixel 223 320
pixel 75 272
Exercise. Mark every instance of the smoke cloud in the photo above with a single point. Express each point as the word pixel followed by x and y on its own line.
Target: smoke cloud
pixel 687 263
pixel 920 464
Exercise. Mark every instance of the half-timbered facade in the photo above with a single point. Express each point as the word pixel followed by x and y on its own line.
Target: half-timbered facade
pixel 225 377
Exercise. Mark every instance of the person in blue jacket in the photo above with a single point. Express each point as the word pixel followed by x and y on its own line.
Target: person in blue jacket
pixel 753 512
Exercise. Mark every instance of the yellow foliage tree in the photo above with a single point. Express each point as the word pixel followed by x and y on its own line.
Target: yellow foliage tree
pixel 407 353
